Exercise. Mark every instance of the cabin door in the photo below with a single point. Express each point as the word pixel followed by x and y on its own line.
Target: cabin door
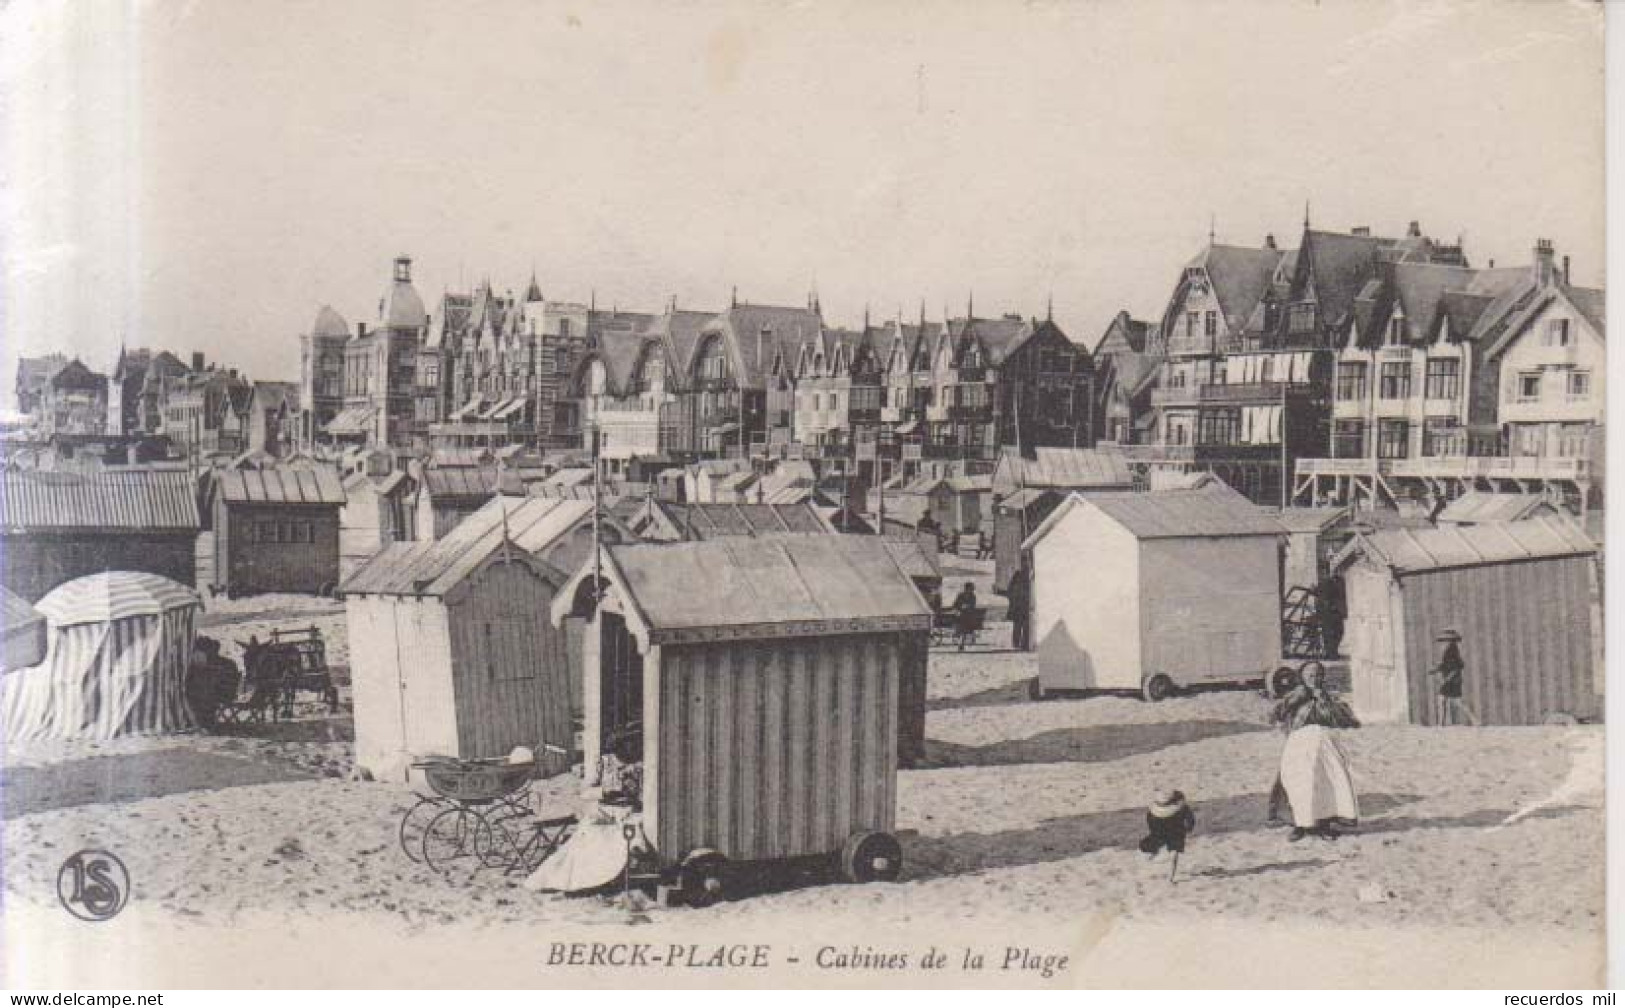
pixel 1381 694
pixel 620 684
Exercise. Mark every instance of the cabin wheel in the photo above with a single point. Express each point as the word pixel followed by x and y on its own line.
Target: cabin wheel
pixel 871 856
pixel 1280 682
pixel 702 877
pixel 1157 687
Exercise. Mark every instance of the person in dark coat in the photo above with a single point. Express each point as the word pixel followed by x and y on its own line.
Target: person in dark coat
pixel 1019 594
pixel 1448 672
pixel 1333 612
pixel 965 612
pixel 1168 821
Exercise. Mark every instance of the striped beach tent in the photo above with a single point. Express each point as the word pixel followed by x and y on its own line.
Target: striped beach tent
pixel 115 663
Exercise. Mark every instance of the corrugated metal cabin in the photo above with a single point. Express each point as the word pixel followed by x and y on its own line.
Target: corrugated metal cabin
pixel 1150 592
pixel 58 526
pixel 1520 595
pixel 658 521
pixel 276 530
pixel 764 709
pixel 451 648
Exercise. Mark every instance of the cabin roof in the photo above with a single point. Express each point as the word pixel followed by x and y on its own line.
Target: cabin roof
pixel 773 587
pixel 434 568
pixel 123 499
pixel 280 485
pixel 1419 551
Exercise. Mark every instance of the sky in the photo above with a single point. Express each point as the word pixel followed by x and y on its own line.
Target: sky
pixel 204 176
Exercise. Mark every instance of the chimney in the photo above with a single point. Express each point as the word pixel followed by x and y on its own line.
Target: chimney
pixel 1415 230
pixel 197 360
pixel 1363 231
pixel 232 372
pixel 403 269
pixel 1269 241
pixel 1565 270
pixel 360 329
pixel 1543 260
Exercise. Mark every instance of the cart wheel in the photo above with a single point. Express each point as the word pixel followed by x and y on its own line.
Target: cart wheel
pixel 1280 682
pixel 413 824
pixel 1157 687
pixel 702 877
pixel 452 843
pixel 871 857
pixel 1036 690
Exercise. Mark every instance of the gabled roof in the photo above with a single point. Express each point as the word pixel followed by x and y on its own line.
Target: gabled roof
pixel 119 499
pixel 709 521
pixel 280 485
pixel 1239 276
pixel 1073 468
pixel 435 568
pixel 1171 514
pixel 1418 551
pixel 74 374
pixel 1123 335
pixel 763 588
pixel 1420 289
pixel 270 395
pixel 1591 303
pixel 1311 519
pixel 756 334
pixel 1477 507
pixel 1339 264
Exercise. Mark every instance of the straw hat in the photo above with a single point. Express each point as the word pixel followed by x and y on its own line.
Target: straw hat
pixel 1168 803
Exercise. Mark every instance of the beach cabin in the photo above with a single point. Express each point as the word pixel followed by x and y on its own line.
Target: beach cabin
pixel 379 509
pixel 1151 592
pixel 58 526
pixel 1313 536
pixel 452 652
pixel 1024 491
pixel 766 711
pixel 276 530
pixel 1518 593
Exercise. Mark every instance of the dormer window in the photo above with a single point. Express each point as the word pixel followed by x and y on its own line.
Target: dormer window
pixel 1557 333
pixel 1396 331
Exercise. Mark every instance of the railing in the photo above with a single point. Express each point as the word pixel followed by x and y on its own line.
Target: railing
pixel 1184 396
pixel 1451 467
pixel 1158 453
pixel 1250 392
pixel 1180 346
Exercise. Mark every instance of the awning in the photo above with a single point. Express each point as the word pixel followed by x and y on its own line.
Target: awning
pixel 907 427
pixel 490 411
pixel 470 408
pixel 508 409
pixel 724 428
pixel 351 420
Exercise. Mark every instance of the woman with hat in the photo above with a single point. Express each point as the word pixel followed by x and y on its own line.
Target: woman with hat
pixel 1314 770
pixel 1448 706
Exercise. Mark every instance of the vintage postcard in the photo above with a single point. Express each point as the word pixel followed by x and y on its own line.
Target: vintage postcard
pixel 817 495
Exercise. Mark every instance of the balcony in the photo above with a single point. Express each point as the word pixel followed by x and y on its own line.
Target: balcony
pixel 1187 395
pixel 1451 467
pixel 982 413
pixel 1158 454
pixel 1251 392
pixel 1190 346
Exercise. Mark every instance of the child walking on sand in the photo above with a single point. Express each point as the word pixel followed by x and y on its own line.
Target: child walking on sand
pixel 1168 821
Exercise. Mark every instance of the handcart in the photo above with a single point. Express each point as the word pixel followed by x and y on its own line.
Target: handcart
pixel 277 671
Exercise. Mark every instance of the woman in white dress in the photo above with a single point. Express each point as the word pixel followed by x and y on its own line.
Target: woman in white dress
pixel 1314 769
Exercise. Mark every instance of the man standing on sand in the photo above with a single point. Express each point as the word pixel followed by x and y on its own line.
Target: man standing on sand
pixel 1020 598
pixel 1449 707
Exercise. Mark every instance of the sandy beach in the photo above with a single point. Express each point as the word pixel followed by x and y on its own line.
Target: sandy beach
pixel 1022 807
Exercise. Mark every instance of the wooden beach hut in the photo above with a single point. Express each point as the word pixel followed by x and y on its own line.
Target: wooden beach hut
pixel 767 710
pixel 1478 507
pixel 1025 491
pixel 451 648
pixel 1518 593
pixel 276 530
pixel 1150 592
